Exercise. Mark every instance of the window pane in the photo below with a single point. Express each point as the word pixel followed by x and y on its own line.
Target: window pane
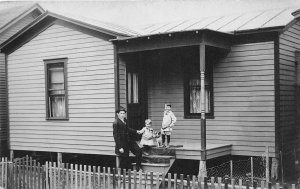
pixel 56 79
pixel 135 88
pixel 195 97
pixel 57 106
pixel 129 87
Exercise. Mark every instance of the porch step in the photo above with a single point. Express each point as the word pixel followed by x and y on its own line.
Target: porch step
pixel 162 151
pixel 154 167
pixel 158 158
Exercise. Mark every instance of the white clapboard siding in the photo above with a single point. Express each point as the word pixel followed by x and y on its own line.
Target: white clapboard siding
pixel 244 101
pixel 90 75
pixel 289 42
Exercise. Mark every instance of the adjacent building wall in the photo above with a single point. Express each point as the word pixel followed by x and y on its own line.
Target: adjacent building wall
pixel 244 101
pixel 90 71
pixel 289 43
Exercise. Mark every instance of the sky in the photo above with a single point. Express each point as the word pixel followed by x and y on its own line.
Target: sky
pixel 139 12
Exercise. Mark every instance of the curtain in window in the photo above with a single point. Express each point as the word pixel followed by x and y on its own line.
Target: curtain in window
pixel 195 92
pixel 133 88
pixel 57 106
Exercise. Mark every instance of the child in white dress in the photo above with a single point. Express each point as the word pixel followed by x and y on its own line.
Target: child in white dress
pixel 168 123
pixel 149 135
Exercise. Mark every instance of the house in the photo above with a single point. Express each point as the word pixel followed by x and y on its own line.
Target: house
pixel 12 20
pixel 66 75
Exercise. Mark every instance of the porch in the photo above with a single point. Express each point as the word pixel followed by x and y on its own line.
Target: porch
pixel 193 151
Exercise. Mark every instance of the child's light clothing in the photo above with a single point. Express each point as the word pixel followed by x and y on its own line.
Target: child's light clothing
pixel 168 122
pixel 148 137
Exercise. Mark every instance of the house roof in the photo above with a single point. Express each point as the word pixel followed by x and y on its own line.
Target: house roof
pixel 11 15
pixel 233 23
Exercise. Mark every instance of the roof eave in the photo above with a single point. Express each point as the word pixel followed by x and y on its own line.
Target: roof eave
pixel 164 33
pixel 56 16
pixel 20 16
pixel 259 30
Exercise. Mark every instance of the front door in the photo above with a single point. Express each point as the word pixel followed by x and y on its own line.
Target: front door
pixel 136 95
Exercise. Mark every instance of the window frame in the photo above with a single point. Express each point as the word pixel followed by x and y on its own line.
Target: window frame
pixel 48 62
pixel 188 76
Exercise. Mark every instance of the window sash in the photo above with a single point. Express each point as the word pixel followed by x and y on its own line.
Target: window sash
pixel 133 88
pixel 195 97
pixel 56 89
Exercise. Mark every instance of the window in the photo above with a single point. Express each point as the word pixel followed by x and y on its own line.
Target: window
pixel 133 86
pixel 193 94
pixel 56 89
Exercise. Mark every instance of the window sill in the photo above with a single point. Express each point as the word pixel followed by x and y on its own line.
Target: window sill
pixel 198 117
pixel 57 119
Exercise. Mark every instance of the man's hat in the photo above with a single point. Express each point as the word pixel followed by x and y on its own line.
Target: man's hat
pixel 121 109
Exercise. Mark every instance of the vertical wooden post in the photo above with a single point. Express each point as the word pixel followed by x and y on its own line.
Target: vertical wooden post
pixel 231 169
pixel 202 165
pixel 251 170
pixel 59 159
pixel 117 162
pixel 11 155
pixel 267 165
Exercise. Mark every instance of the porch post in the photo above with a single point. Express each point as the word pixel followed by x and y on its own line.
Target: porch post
pixel 202 166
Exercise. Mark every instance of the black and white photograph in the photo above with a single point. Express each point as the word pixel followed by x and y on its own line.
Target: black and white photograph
pixel 150 94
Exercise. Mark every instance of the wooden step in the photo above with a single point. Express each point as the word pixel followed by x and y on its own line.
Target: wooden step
pixel 162 151
pixel 158 158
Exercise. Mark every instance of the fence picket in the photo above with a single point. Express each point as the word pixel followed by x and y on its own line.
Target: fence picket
pixel 140 179
pixel 129 179
pixel 124 178
pixel 80 176
pixel 84 176
pixel 108 178
pixel 188 181
pixel 54 175
pixel 76 176
pixel 193 182
pixel 39 175
pixel 94 177
pixel 99 176
pixel 219 182
pixel 114 178
pixel 163 182
pixel 119 178
pixel 175 181
pixel 232 183
pixel 71 176
pixel 90 177
pixel 104 180
pixel 157 180
pixel 134 180
pixel 67 175
pixel 181 181
pixel 240 183
pixel 169 181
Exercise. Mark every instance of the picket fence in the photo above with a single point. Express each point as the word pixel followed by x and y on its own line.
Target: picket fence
pixel 28 174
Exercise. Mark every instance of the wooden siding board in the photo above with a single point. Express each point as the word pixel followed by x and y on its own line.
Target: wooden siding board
pixel 91 94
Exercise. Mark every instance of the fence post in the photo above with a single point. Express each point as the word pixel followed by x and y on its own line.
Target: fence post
pixel 205 183
pixel 251 170
pixel 247 184
pixel 267 165
pixel 226 183
pixel 231 169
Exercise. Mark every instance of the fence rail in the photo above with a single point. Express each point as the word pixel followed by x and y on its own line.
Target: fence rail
pixel 28 174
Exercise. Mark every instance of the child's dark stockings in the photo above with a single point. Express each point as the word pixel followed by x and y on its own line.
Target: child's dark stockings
pixel 163 138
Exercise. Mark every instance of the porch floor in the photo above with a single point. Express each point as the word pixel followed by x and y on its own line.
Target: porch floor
pixel 193 150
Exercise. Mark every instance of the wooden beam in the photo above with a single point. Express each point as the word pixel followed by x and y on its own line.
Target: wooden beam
pixel 163 41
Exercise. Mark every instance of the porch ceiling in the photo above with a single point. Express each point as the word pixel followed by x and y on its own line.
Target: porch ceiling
pixel 172 40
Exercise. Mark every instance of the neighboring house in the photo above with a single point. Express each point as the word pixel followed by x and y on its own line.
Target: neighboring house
pixel 12 20
pixel 67 75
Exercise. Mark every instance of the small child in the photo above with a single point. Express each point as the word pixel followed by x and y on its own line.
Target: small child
pixel 168 122
pixel 148 137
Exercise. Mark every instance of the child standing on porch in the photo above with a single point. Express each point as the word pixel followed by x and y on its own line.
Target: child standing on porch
pixel 168 122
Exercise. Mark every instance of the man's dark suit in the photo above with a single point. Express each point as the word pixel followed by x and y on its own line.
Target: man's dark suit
pixel 123 140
